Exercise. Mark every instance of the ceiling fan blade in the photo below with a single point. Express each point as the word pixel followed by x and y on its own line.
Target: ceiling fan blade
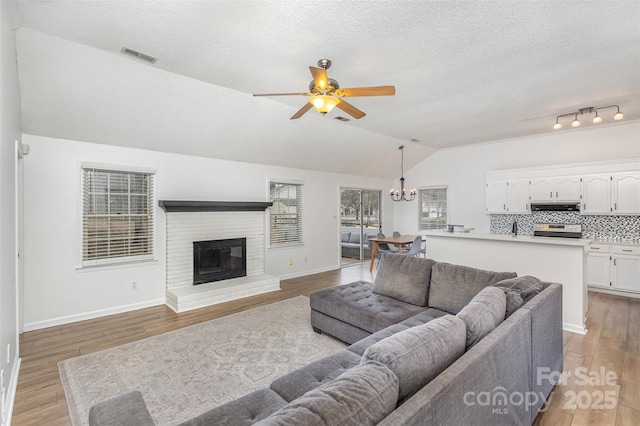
pixel 320 77
pixel 350 109
pixel 281 94
pixel 370 91
pixel 302 110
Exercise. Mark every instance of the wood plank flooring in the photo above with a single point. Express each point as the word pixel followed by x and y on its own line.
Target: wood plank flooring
pixel 613 342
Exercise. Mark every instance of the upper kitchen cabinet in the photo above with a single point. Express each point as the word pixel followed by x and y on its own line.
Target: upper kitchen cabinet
pixel 626 193
pixel 561 189
pixel 611 194
pixel 507 196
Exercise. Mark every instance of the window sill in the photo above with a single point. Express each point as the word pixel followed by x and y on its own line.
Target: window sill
pixel 116 265
pixel 285 246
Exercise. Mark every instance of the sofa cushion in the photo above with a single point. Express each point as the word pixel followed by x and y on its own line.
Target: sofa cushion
pixel 356 304
pixel 423 317
pixel 404 278
pixel 243 411
pixel 354 237
pixel 363 395
pixel 519 290
pixel 344 236
pixel 484 313
pixel 453 286
pixel 298 382
pixel 418 354
pixel 361 345
pixel 121 410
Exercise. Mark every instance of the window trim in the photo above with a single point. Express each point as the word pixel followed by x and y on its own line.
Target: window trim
pixel 116 262
pixel 276 246
pixel 420 189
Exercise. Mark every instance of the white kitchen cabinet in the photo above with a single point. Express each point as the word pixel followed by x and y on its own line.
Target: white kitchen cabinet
pixel 614 267
pixel 496 196
pixel 518 196
pixel 625 269
pixel 596 194
pixel 555 189
pixel 598 266
pixel 507 197
pixel 626 193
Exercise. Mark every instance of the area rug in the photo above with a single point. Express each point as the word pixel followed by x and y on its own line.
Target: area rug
pixel 186 372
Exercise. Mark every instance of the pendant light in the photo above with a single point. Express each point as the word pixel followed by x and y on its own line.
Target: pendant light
pixel 401 194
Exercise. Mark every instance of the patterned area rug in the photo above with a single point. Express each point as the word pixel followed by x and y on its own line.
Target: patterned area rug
pixel 186 372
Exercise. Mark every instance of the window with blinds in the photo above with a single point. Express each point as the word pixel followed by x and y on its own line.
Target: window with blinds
pixel 285 215
pixel 433 208
pixel 117 216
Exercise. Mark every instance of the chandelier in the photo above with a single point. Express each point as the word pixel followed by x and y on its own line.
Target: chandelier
pixel 588 110
pixel 401 195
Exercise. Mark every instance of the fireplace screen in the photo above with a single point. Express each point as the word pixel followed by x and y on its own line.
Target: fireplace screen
pixel 219 260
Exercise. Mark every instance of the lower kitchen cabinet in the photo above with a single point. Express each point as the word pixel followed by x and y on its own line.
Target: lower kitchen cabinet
pixel 614 267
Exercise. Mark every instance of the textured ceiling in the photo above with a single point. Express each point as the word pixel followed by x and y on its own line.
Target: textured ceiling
pixel 465 72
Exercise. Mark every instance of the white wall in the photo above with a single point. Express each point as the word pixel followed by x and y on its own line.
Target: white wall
pixel 463 169
pixel 9 133
pixel 57 292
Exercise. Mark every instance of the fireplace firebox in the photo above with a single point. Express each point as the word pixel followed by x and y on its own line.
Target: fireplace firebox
pixel 218 260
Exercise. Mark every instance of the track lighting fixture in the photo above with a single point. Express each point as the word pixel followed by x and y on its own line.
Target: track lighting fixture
pixel 596 118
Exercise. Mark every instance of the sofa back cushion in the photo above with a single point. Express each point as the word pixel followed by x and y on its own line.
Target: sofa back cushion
pixel 363 395
pixel 453 286
pixel 404 278
pixel 484 313
pixel 420 353
pixel 519 290
pixel 344 236
pixel 354 237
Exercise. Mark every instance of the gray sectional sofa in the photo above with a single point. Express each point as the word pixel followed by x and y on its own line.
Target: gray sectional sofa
pixel 430 343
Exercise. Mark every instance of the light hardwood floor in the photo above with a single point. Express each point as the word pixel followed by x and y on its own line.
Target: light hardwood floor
pixel 613 342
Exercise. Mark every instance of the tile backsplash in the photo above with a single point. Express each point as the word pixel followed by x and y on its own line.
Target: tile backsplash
pixel 608 227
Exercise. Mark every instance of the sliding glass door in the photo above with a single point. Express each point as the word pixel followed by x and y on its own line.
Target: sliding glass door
pixel 359 221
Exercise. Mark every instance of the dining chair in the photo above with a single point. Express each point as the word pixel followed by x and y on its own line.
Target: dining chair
pixel 415 249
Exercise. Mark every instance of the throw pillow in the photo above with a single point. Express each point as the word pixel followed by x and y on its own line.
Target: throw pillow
pixel 453 286
pixel 519 290
pixel 420 353
pixel 404 278
pixel 363 395
pixel 484 313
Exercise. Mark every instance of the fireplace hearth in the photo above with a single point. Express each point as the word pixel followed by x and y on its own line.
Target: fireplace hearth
pixel 217 260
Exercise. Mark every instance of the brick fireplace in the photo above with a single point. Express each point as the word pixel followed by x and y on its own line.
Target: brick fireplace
pixel 191 221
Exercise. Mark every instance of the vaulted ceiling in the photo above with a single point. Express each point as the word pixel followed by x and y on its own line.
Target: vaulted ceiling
pixel 464 72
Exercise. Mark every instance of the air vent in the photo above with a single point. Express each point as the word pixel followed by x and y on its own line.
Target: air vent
pixel 138 55
pixel 342 118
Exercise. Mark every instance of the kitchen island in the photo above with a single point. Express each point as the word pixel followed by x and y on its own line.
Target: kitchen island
pixel 560 260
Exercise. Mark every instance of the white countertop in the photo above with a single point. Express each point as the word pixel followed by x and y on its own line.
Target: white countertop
pixel 519 238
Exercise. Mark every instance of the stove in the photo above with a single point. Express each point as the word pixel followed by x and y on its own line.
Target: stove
pixel 557 230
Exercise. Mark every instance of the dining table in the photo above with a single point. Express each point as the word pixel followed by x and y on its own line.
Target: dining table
pixel 400 242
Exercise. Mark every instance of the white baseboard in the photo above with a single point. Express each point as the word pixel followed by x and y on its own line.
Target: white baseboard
pixel 574 328
pixel 37 325
pixel 615 292
pixel 314 271
pixel 11 396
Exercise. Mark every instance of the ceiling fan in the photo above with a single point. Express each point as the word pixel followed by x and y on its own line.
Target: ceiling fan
pixel 325 93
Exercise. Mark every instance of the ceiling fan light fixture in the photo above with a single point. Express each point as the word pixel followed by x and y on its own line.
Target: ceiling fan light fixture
pixel 324 103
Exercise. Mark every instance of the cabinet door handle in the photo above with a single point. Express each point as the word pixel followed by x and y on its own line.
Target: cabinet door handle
pixel 614 262
pixel 595 248
pixel 628 251
pixel 556 194
pixel 551 194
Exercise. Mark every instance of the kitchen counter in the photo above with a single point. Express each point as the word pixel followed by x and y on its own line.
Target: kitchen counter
pixel 554 259
pixel 583 242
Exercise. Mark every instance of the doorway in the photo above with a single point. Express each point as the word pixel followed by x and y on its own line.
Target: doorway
pixel 359 222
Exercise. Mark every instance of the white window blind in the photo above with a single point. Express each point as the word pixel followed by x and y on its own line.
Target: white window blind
pixel 117 216
pixel 285 215
pixel 433 208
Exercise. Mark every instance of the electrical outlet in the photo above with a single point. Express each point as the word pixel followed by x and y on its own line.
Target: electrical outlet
pixel 290 261
pixel 134 285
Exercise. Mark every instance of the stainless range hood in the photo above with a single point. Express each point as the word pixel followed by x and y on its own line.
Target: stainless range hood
pixel 555 207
